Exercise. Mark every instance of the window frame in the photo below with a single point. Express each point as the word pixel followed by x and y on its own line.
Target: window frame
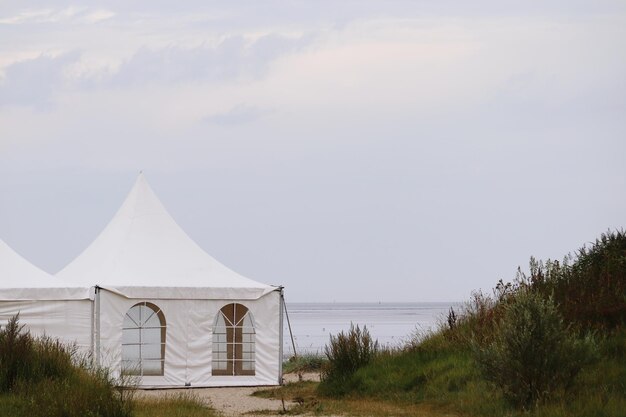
pixel 234 354
pixel 129 325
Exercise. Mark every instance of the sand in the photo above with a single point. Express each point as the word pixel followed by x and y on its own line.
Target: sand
pixel 231 401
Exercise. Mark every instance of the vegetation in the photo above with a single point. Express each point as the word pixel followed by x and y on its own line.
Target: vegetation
pixel 589 287
pixel 532 353
pixel 550 343
pixel 346 353
pixel 304 363
pixel 41 377
pixel 181 405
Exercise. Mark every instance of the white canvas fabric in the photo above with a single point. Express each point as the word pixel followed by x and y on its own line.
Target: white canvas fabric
pixel 143 256
pixel 143 253
pixel 21 280
pixel 189 332
pixel 46 305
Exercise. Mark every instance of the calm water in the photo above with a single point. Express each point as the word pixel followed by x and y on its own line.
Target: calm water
pixel 390 323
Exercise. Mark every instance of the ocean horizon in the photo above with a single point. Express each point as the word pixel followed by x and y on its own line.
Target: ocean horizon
pixel 392 324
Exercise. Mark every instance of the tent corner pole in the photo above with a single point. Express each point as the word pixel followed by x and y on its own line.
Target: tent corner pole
pixel 293 343
pixel 97 319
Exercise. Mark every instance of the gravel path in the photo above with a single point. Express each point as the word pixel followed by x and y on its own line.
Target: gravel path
pixel 231 401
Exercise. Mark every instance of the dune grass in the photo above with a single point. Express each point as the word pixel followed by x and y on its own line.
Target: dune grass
pixel 182 405
pixel 41 377
pixel 440 378
pixel 302 398
pixel 581 301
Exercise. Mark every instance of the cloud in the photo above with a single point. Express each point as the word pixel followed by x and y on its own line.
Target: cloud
pixel 69 14
pixel 234 57
pixel 34 82
pixel 98 16
pixel 238 115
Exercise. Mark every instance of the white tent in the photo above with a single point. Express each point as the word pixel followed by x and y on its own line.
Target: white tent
pixel 167 312
pixel 46 305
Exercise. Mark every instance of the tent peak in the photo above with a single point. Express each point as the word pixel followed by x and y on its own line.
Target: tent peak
pixel 144 247
pixel 17 272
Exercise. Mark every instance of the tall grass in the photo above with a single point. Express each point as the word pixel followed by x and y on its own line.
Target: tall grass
pixel 181 405
pixel 43 377
pixel 522 350
pixel 346 353
pixel 590 286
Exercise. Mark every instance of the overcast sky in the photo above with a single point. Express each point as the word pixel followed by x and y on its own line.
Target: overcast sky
pixel 348 150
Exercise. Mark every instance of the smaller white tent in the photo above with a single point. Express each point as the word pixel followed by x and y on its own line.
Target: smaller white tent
pixel 47 305
pixel 171 314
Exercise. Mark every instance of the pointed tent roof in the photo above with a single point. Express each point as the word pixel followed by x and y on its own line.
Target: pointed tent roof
pixel 143 253
pixel 21 280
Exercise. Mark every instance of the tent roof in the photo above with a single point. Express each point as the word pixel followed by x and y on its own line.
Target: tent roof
pixel 143 253
pixel 21 280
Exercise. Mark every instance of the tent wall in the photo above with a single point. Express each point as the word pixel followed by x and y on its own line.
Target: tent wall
pixel 68 320
pixel 188 351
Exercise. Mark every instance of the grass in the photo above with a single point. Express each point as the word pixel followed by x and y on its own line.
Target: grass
pixel 304 363
pixel 41 377
pixel 438 374
pixel 182 405
pixel 302 398
pixel 439 378
pixel 433 376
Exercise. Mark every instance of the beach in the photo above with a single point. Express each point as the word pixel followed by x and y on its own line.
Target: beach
pixel 232 401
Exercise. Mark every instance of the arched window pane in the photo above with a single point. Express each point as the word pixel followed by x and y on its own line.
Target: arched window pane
pixel 233 341
pixel 143 340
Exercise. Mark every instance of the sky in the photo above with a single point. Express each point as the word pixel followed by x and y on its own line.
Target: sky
pixel 356 151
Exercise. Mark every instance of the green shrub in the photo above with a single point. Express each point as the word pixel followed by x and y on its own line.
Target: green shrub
pixel 346 353
pixel 532 353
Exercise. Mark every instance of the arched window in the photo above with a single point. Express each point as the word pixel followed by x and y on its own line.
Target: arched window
pixel 233 341
pixel 143 340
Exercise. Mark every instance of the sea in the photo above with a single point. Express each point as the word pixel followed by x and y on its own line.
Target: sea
pixel 392 324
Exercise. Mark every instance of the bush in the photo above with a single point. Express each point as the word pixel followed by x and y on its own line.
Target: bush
pixel 346 353
pixel 532 353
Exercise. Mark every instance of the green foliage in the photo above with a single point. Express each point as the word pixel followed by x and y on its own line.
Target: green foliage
pixel 532 354
pixel 431 370
pixel 346 353
pixel 523 350
pixel 41 377
pixel 304 363
pixel 589 288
